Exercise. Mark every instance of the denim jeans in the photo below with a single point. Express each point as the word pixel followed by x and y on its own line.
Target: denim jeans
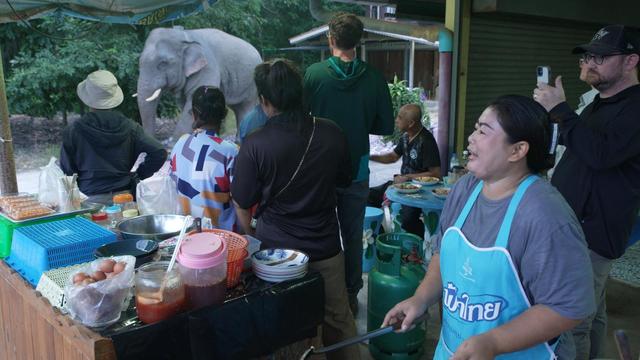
pixel 352 202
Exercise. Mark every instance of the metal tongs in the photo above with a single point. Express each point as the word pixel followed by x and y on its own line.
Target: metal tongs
pixel 360 338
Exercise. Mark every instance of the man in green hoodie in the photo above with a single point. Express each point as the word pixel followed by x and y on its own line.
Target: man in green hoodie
pixel 103 145
pixel 356 97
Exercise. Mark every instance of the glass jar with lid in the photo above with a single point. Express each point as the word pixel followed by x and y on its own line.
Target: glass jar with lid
pixel 159 295
pixel 101 218
pixel 125 201
pixel 114 214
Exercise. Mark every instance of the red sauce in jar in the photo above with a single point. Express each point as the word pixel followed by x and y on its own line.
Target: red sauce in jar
pixel 151 310
pixel 201 296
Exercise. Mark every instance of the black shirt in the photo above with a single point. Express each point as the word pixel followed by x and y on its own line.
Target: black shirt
pixel 599 173
pixel 419 155
pixel 304 216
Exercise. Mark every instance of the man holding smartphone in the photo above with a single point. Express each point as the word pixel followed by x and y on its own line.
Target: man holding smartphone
pixel 599 173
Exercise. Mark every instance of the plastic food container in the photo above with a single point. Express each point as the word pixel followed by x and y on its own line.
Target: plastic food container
pixel 203 265
pixel 158 298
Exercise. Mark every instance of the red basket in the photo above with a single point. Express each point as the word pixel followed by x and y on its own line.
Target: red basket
pixel 234 269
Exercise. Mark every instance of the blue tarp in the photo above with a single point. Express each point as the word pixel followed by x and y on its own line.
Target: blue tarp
pixel 141 12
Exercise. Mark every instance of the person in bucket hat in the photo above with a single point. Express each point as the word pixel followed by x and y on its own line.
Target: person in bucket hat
pixel 103 145
pixel 100 90
pixel 599 173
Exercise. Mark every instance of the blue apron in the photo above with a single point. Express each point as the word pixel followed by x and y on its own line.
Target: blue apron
pixel 481 289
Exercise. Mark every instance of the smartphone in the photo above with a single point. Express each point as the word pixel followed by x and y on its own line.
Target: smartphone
pixel 543 74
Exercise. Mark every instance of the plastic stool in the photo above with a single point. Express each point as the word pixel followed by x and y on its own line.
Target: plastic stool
pixel 372 221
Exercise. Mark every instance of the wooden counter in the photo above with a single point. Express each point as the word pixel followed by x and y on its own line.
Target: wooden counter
pixel 33 329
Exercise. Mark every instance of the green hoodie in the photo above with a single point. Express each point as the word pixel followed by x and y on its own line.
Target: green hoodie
pixel 356 97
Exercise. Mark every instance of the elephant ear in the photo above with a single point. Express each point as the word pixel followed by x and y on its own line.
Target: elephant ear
pixel 194 59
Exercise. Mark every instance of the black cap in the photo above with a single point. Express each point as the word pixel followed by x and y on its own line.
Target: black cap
pixel 612 39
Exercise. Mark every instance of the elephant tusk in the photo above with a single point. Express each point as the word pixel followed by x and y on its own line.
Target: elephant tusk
pixel 134 95
pixel 154 95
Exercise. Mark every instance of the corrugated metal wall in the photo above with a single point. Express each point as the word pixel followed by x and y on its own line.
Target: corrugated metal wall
pixel 505 50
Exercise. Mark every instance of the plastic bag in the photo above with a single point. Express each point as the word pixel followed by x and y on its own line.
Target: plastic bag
pixel 99 304
pixel 48 183
pixel 157 194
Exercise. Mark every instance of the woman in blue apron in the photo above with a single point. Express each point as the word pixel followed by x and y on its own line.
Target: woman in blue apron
pixel 510 262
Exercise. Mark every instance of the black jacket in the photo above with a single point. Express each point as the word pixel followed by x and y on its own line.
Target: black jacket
pixel 102 147
pixel 599 173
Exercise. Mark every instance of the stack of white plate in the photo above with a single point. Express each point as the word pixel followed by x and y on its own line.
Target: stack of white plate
pixel 277 265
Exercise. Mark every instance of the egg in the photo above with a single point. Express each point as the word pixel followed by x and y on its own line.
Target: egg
pixel 87 281
pixel 77 278
pixel 98 275
pixel 107 265
pixel 119 267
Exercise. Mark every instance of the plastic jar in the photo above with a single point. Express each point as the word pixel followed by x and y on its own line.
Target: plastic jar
pixel 125 201
pixel 114 214
pixel 157 297
pixel 203 265
pixel 101 219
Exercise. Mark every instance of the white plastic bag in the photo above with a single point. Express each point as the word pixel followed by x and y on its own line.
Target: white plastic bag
pixel 48 183
pixel 100 303
pixel 157 195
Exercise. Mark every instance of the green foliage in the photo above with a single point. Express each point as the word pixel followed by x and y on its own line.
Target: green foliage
pixel 401 95
pixel 43 79
pixel 42 72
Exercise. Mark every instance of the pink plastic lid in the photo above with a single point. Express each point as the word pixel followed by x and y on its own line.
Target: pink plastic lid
pixel 202 251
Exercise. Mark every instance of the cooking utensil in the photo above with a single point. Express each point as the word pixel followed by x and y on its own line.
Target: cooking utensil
pixel 622 343
pixel 154 227
pixel 360 338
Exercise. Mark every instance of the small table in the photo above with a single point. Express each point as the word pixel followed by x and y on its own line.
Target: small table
pixel 424 199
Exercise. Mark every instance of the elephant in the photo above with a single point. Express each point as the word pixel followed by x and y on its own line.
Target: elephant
pixel 181 60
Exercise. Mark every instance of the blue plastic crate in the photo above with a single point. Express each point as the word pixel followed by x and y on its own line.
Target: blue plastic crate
pixel 38 248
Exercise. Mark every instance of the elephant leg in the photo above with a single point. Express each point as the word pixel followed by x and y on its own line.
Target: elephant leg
pixel 185 122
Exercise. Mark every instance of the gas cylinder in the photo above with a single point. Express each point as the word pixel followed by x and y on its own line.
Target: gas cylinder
pixel 395 277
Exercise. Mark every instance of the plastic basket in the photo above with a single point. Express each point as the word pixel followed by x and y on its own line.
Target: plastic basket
pixel 52 282
pixel 38 248
pixel 234 269
pixel 7 227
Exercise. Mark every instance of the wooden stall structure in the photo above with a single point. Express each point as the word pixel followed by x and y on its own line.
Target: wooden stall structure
pixel 33 329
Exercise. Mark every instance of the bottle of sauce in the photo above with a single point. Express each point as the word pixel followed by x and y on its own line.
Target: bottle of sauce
pixel 203 266
pixel 158 297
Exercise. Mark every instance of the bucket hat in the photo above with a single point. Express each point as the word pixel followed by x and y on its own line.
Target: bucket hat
pixel 100 90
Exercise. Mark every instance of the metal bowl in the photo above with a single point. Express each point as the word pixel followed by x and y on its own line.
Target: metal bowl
pixel 155 227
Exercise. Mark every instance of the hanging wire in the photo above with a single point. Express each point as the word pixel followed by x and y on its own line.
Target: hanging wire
pixel 28 24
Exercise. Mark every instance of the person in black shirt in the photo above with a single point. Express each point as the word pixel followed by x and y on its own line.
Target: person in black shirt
pixel 599 173
pixel 420 157
pixel 291 168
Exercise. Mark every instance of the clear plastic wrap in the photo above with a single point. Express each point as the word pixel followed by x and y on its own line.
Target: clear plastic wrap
pixel 100 303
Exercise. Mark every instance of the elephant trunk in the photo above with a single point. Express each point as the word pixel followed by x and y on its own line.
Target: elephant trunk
pixel 148 100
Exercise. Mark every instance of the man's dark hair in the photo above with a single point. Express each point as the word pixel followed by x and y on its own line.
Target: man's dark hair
pixel 209 107
pixel 523 119
pixel 346 29
pixel 279 82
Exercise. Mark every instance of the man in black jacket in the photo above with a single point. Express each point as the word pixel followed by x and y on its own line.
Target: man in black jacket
pixel 599 174
pixel 103 145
